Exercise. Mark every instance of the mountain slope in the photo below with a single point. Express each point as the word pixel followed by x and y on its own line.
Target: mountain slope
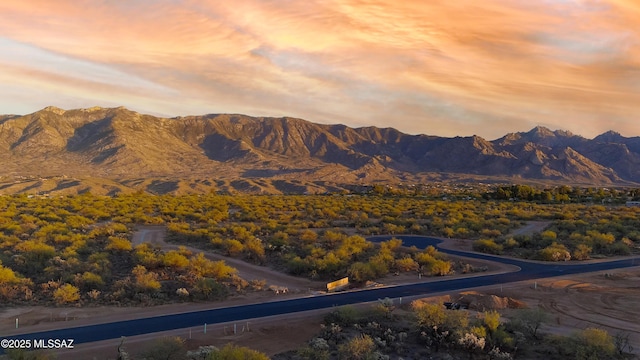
pixel 244 153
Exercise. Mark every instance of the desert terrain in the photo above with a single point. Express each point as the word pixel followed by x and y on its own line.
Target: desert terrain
pixel 603 300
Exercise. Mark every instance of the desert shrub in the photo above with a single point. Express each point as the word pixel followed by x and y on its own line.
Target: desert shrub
pixel 406 264
pixel 479 331
pixel 491 320
pixel 502 338
pixel 317 349
pixel 258 285
pixel 358 348
pixel 175 259
pixel 511 243
pixel 593 343
pixel 166 348
pixel 456 322
pixel 93 294
pixel 344 316
pixel 529 320
pixel 487 246
pixel 66 293
pixel 199 265
pixel 207 288
pixel 385 307
pixel 618 248
pixel 118 244
pixel 361 272
pixel 145 280
pixel 497 354
pixel 582 252
pixel 471 343
pixel 549 236
pixel 22 354
pixel 201 353
pixel 298 266
pixel 147 256
pixel 36 254
pixel 428 315
pixel 309 353
pixel 438 325
pixel 554 252
pixel 439 268
pixel 7 276
pixel 231 352
pixel 89 280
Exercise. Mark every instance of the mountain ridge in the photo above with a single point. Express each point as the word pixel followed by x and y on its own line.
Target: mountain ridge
pixel 118 145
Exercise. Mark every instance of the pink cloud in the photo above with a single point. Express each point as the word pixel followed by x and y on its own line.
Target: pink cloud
pixel 449 67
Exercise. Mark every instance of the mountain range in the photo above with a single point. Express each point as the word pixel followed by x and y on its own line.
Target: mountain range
pixel 112 150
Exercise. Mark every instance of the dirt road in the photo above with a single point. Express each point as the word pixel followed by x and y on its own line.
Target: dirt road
pixel 156 235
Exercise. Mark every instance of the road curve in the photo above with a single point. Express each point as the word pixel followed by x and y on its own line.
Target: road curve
pixel 528 271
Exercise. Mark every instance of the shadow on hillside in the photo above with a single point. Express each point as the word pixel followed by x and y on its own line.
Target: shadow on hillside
pixel 162 187
pixel 267 173
pixel 96 139
pixel 220 148
pixel 7 118
pixel 290 187
pixel 65 184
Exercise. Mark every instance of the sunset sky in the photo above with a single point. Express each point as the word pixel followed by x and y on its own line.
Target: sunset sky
pixel 437 67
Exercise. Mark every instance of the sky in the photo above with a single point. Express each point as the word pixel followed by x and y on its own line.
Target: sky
pixel 437 67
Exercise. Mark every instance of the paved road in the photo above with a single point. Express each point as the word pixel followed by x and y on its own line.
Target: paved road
pixel 528 271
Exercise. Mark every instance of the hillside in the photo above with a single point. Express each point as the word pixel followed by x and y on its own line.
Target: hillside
pixel 114 150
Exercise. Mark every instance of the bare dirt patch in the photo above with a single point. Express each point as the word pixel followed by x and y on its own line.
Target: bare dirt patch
pixel 605 300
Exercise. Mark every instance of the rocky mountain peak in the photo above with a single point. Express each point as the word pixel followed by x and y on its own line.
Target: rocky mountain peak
pixel 540 132
pixel 609 136
pixel 53 109
pixel 117 142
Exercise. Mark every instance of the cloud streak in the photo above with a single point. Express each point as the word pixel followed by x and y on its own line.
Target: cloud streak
pixel 448 68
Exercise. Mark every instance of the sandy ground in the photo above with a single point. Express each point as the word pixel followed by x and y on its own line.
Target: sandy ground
pixel 574 302
pixel 605 300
